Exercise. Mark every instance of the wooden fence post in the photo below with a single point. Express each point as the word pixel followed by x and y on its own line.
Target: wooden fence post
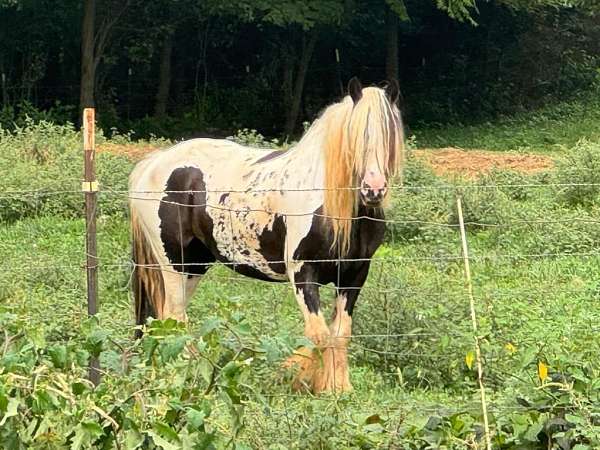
pixel 90 187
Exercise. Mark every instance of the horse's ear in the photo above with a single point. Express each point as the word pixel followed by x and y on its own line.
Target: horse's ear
pixel 355 89
pixel 392 90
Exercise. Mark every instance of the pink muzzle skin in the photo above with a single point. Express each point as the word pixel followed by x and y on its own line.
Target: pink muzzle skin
pixel 373 188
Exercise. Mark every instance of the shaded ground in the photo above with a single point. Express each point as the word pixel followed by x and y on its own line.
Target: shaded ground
pixel 444 161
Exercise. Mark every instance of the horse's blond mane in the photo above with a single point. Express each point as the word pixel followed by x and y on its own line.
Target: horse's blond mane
pixel 352 131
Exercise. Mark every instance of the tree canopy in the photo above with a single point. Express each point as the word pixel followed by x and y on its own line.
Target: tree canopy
pixel 185 67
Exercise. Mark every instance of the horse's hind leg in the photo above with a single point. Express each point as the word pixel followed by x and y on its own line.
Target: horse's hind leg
pixel 179 289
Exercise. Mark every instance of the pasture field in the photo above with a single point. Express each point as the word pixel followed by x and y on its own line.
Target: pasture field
pixel 534 240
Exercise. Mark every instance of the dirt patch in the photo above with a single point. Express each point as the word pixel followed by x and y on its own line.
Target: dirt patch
pixel 472 163
pixel 133 151
pixel 443 161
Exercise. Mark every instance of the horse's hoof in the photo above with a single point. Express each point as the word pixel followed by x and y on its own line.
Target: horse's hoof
pixel 303 364
pixel 319 371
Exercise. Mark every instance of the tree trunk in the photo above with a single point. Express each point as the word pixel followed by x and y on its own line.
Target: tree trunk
pixel 391 60
pixel 88 68
pixel 292 112
pixel 164 81
pixel 288 79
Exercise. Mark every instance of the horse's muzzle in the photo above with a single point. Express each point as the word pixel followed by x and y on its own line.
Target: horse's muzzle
pixel 372 196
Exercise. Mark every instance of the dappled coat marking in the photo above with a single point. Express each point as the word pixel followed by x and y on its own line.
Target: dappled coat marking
pixel 306 215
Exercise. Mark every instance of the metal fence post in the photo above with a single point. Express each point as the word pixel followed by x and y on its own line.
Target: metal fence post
pixel 90 187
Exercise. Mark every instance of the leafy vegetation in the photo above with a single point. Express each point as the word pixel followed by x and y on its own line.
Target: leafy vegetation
pixel 218 383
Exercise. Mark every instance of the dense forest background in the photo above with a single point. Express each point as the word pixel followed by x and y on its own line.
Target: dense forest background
pixel 190 67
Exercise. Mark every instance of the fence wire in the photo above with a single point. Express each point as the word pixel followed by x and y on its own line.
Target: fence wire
pixel 419 344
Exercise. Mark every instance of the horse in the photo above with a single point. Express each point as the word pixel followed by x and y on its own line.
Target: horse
pixel 310 215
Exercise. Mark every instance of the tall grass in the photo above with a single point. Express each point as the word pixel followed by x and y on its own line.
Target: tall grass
pixel 413 386
pixel 552 129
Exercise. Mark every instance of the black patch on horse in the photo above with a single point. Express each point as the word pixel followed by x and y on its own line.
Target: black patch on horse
pixel 366 236
pixel 184 250
pixel 272 243
pixel 187 228
pixel 223 198
pixel 268 156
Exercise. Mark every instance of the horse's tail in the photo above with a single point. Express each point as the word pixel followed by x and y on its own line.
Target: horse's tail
pixel 148 283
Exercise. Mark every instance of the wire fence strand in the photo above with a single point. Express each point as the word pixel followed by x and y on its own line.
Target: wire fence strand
pixel 384 345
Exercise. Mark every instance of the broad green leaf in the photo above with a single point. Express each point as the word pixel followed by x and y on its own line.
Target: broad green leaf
pixel 166 431
pixel 242 446
pixel 95 341
pixel 209 325
pixel 160 441
pixel 78 388
pixel 527 356
pixel 374 418
pixel 85 434
pixel 172 347
pixel 574 419
pixel 133 439
pixel 195 418
pixel 3 401
pixel 399 8
pixel 11 410
pixel 206 369
pixel 534 430
pixel 58 355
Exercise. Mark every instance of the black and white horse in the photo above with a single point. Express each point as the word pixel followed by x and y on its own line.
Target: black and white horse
pixel 310 215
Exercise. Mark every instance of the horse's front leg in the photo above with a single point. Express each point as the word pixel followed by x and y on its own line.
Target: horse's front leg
pixel 306 290
pixel 325 369
pixel 337 372
pixel 307 361
pixel 348 290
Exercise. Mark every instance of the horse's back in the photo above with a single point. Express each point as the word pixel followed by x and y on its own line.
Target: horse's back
pixel 202 153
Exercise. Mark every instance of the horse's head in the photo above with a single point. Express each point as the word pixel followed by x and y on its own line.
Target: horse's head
pixel 375 137
pixel 364 149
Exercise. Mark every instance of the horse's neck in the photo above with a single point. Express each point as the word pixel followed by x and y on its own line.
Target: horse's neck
pixel 306 160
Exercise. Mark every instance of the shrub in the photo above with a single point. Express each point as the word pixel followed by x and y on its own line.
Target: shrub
pixel 253 138
pixel 539 229
pixel 514 184
pixel 25 113
pixel 579 174
pixel 171 390
pixel 44 167
pixel 426 206
pixel 418 205
pixel 483 205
